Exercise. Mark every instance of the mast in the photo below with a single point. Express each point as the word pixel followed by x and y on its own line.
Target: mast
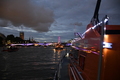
pixel 95 19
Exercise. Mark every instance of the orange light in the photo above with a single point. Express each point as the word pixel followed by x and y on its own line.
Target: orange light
pixel 106 38
pixel 106 43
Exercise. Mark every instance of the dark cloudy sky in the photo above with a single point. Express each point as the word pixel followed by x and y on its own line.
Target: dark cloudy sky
pixel 45 20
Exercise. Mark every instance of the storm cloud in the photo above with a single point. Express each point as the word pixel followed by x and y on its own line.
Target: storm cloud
pixel 23 12
pixel 53 17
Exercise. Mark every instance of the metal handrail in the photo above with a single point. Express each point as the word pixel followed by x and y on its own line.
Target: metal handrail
pixel 77 71
pixel 73 73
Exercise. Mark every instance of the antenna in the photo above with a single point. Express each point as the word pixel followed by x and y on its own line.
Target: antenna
pixel 95 19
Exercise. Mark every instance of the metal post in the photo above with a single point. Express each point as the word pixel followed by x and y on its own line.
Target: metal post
pixel 101 46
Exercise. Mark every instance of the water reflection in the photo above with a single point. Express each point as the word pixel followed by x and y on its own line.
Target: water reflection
pixel 36 63
pixel 57 50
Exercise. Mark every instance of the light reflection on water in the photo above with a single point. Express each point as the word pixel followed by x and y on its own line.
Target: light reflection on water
pixel 31 63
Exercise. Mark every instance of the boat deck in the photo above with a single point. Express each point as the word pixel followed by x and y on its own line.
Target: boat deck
pixel 64 74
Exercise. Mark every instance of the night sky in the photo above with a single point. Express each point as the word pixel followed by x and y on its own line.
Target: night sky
pixel 46 20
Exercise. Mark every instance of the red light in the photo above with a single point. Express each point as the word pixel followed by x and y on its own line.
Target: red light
pixel 92 47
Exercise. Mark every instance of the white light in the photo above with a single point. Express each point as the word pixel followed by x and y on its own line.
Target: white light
pixel 107 45
pixel 106 20
pixel 67 55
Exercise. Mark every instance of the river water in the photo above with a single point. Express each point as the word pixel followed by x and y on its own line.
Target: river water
pixel 30 63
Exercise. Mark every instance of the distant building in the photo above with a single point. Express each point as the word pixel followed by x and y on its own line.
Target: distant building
pixel 22 35
pixel 2 39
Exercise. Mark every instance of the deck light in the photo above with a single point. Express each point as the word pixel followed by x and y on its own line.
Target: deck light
pixel 107 45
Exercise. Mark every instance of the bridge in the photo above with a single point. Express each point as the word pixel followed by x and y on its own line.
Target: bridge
pixel 40 44
pixel 32 44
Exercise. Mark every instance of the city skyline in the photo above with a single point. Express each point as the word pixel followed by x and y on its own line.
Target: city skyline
pixel 47 20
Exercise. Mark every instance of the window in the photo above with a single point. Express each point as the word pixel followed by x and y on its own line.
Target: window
pixel 81 61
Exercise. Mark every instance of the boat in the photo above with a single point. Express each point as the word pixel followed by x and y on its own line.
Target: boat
pixel 59 46
pixel 10 49
pixel 95 55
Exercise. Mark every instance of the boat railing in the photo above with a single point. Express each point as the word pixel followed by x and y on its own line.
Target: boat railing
pixel 76 70
pixel 103 21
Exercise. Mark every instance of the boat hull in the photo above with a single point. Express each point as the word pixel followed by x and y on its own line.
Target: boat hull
pixel 85 57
